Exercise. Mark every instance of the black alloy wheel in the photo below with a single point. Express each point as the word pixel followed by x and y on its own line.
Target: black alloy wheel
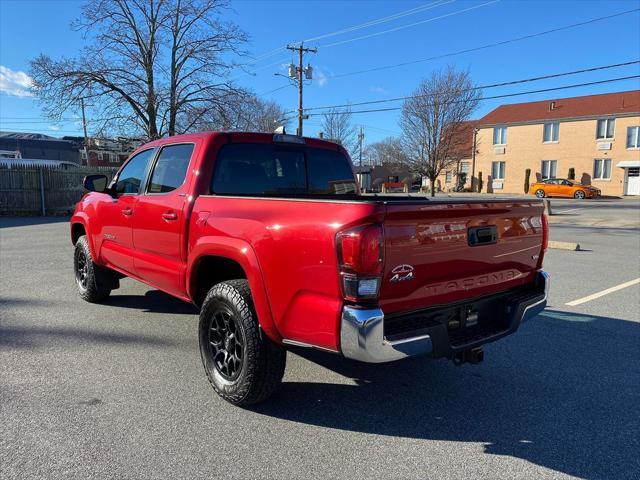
pixel 226 343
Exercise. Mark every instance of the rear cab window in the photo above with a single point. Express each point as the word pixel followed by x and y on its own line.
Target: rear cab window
pixel 257 169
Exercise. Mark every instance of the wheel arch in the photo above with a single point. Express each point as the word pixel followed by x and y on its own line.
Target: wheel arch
pixel 217 259
pixel 79 225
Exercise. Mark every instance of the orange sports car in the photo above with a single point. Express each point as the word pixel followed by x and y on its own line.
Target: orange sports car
pixel 560 187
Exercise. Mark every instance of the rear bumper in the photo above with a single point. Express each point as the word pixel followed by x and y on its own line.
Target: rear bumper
pixel 362 333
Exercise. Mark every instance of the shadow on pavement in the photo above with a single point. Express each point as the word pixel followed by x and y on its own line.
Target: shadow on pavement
pixel 562 393
pixel 28 337
pixel 154 301
pixel 7 222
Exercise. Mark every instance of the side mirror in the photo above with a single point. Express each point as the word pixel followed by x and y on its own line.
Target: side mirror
pixel 96 183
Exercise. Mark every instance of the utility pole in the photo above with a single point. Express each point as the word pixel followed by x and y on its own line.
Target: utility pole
pixel 473 159
pixel 300 73
pixel 84 127
pixel 360 139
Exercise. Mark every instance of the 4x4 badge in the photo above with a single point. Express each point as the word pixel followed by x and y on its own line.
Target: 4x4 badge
pixel 402 273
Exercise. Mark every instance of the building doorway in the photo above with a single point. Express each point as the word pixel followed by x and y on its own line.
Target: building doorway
pixel 632 181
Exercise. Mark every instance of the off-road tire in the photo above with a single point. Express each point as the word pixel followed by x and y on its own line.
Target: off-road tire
pixel 94 283
pixel 263 362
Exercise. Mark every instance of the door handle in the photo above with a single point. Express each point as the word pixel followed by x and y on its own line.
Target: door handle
pixel 169 216
pixel 127 212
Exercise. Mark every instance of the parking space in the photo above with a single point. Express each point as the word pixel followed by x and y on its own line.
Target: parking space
pixel 117 390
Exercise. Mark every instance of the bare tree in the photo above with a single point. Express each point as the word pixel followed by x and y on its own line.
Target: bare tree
pixel 431 119
pixel 244 112
pixel 387 151
pixel 337 126
pixel 151 65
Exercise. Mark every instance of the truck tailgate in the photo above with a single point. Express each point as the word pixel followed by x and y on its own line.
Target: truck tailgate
pixel 442 252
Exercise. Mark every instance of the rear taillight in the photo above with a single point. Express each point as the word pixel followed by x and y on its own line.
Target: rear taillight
pixel 360 260
pixel 545 232
pixel 545 239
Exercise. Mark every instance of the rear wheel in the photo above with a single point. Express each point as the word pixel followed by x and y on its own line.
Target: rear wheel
pixel 540 193
pixel 94 283
pixel 579 194
pixel 242 364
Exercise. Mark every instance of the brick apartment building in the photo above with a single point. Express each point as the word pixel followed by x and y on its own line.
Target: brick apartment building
pixel 596 135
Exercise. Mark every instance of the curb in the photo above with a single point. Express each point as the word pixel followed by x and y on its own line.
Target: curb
pixel 564 245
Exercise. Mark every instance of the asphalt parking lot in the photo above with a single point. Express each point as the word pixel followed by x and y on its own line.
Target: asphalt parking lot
pixel 118 391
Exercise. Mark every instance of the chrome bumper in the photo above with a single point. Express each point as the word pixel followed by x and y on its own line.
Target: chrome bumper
pixel 362 332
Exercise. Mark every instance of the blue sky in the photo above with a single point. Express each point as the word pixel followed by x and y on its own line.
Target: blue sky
pixel 31 27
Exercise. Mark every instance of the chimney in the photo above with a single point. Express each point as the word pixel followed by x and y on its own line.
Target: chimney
pixel 321 134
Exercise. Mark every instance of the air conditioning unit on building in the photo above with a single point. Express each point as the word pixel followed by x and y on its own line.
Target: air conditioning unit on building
pixel 604 146
pixel 499 150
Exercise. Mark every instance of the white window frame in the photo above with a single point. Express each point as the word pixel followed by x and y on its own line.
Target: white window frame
pixel 448 176
pixel 464 168
pixel 602 169
pixel 554 128
pixel 501 171
pixel 501 134
pixel 636 141
pixel 547 175
pixel 606 121
pixel 100 157
pixel 113 158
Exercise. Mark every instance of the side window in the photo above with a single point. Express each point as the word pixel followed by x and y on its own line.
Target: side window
pixel 170 170
pixel 131 175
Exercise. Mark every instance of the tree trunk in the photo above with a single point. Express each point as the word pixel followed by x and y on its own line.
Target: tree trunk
pixel 433 186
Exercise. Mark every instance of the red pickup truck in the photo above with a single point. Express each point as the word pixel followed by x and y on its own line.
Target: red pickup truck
pixel 270 237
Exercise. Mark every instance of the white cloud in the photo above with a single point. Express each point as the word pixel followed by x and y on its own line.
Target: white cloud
pixel 321 78
pixel 54 127
pixel 17 84
pixel 377 90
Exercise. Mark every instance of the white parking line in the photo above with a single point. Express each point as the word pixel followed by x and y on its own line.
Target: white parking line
pixel 603 292
pixel 571 210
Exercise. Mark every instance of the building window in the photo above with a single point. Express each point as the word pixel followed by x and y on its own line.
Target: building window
pixel 633 137
pixel 448 176
pixel 549 169
pixel 100 156
pixel 551 132
pixel 464 167
pixel 499 135
pixel 606 128
pixel 602 169
pixel 497 170
pixel 113 158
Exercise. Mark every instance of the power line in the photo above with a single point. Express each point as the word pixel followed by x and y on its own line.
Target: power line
pixel 363 37
pixel 389 18
pixel 482 47
pixel 495 85
pixel 564 87
pixel 395 16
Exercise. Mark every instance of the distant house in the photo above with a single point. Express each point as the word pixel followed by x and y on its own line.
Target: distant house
pixel 372 178
pixel 36 146
pixel 109 152
pixel 462 152
pixel 596 137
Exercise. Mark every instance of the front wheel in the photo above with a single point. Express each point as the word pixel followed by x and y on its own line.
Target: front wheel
pixel 94 283
pixel 242 364
pixel 579 195
pixel 540 193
